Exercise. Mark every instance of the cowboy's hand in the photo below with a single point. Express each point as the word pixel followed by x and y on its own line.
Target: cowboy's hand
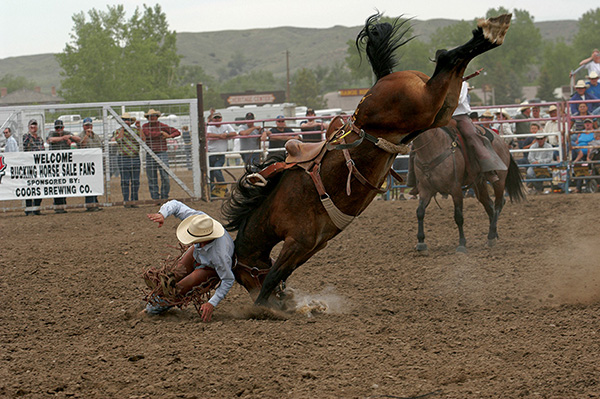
pixel 157 217
pixel 206 310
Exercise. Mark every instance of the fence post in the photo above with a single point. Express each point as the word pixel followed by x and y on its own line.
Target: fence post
pixel 202 138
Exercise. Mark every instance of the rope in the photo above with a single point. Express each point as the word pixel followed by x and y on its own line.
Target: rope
pixel 392 148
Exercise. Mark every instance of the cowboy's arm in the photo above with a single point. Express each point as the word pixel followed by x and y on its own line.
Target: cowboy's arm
pixel 223 268
pixel 177 209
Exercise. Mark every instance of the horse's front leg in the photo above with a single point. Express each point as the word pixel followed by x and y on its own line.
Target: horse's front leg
pixel 293 254
pixel 424 199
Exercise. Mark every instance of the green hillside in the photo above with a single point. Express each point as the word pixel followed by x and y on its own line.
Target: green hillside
pixel 263 49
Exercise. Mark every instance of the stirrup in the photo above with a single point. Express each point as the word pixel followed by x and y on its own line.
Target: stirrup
pixel 256 179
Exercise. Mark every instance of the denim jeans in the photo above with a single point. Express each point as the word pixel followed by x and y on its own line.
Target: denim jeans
pixel 129 167
pixel 216 161
pixel 152 169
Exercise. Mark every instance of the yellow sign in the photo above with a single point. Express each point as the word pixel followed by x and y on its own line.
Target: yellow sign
pixel 353 92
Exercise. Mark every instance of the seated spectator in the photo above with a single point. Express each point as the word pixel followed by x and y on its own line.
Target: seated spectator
pixel 276 139
pixel 486 120
pixel 582 111
pixel 534 127
pixel 539 157
pixel 581 94
pixel 594 153
pixel 311 125
pixel 593 86
pixel 583 139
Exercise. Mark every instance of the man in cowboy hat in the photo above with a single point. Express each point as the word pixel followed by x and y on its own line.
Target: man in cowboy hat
pixel 581 95
pixel 210 255
pixel 156 134
pixel 594 87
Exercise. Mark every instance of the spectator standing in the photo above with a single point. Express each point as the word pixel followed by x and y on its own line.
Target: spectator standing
pixel 504 129
pixel 581 94
pixel 275 137
pixel 89 139
pixel 311 125
pixel 522 127
pixel 220 133
pixel 551 126
pixel 539 157
pixel 32 142
pixel 156 134
pixel 11 144
pixel 128 151
pixel 60 139
pixel 252 143
pixel 592 63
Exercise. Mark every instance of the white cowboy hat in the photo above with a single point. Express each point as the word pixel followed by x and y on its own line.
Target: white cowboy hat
pixel 487 114
pixel 592 75
pixel 580 84
pixel 503 112
pixel 199 228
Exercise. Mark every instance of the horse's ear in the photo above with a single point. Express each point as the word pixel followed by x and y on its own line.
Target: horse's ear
pixel 334 125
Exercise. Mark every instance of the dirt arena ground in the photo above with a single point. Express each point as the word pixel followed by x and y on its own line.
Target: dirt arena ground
pixel 518 320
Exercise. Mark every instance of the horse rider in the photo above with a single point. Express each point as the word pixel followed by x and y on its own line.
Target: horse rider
pixel 489 162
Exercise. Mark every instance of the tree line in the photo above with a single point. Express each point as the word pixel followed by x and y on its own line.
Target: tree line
pixel 114 58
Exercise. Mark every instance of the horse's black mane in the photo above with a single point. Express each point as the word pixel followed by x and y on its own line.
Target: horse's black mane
pixel 245 198
pixel 381 40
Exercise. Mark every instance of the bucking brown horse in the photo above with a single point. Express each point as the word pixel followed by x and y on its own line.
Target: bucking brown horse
pixel 307 205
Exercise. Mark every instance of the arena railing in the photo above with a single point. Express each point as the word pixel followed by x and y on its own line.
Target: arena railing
pixel 184 164
pixel 234 167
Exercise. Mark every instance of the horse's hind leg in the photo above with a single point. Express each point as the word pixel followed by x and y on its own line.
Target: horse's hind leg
pixel 490 208
pixel 488 35
pixel 424 199
pixel 459 219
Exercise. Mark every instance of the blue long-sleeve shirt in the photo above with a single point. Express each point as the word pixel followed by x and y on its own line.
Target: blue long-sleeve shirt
pixel 217 255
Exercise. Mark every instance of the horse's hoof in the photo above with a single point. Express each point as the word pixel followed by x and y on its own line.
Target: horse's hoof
pixel 421 247
pixel 492 243
pixel 461 249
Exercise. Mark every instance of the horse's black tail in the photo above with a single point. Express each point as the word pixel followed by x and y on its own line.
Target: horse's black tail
pixel 245 198
pixel 514 182
pixel 381 39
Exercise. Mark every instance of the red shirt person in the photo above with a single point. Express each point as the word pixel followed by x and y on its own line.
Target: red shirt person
pixel 156 134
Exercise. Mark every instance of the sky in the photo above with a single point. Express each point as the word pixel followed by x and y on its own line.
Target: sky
pixel 44 26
